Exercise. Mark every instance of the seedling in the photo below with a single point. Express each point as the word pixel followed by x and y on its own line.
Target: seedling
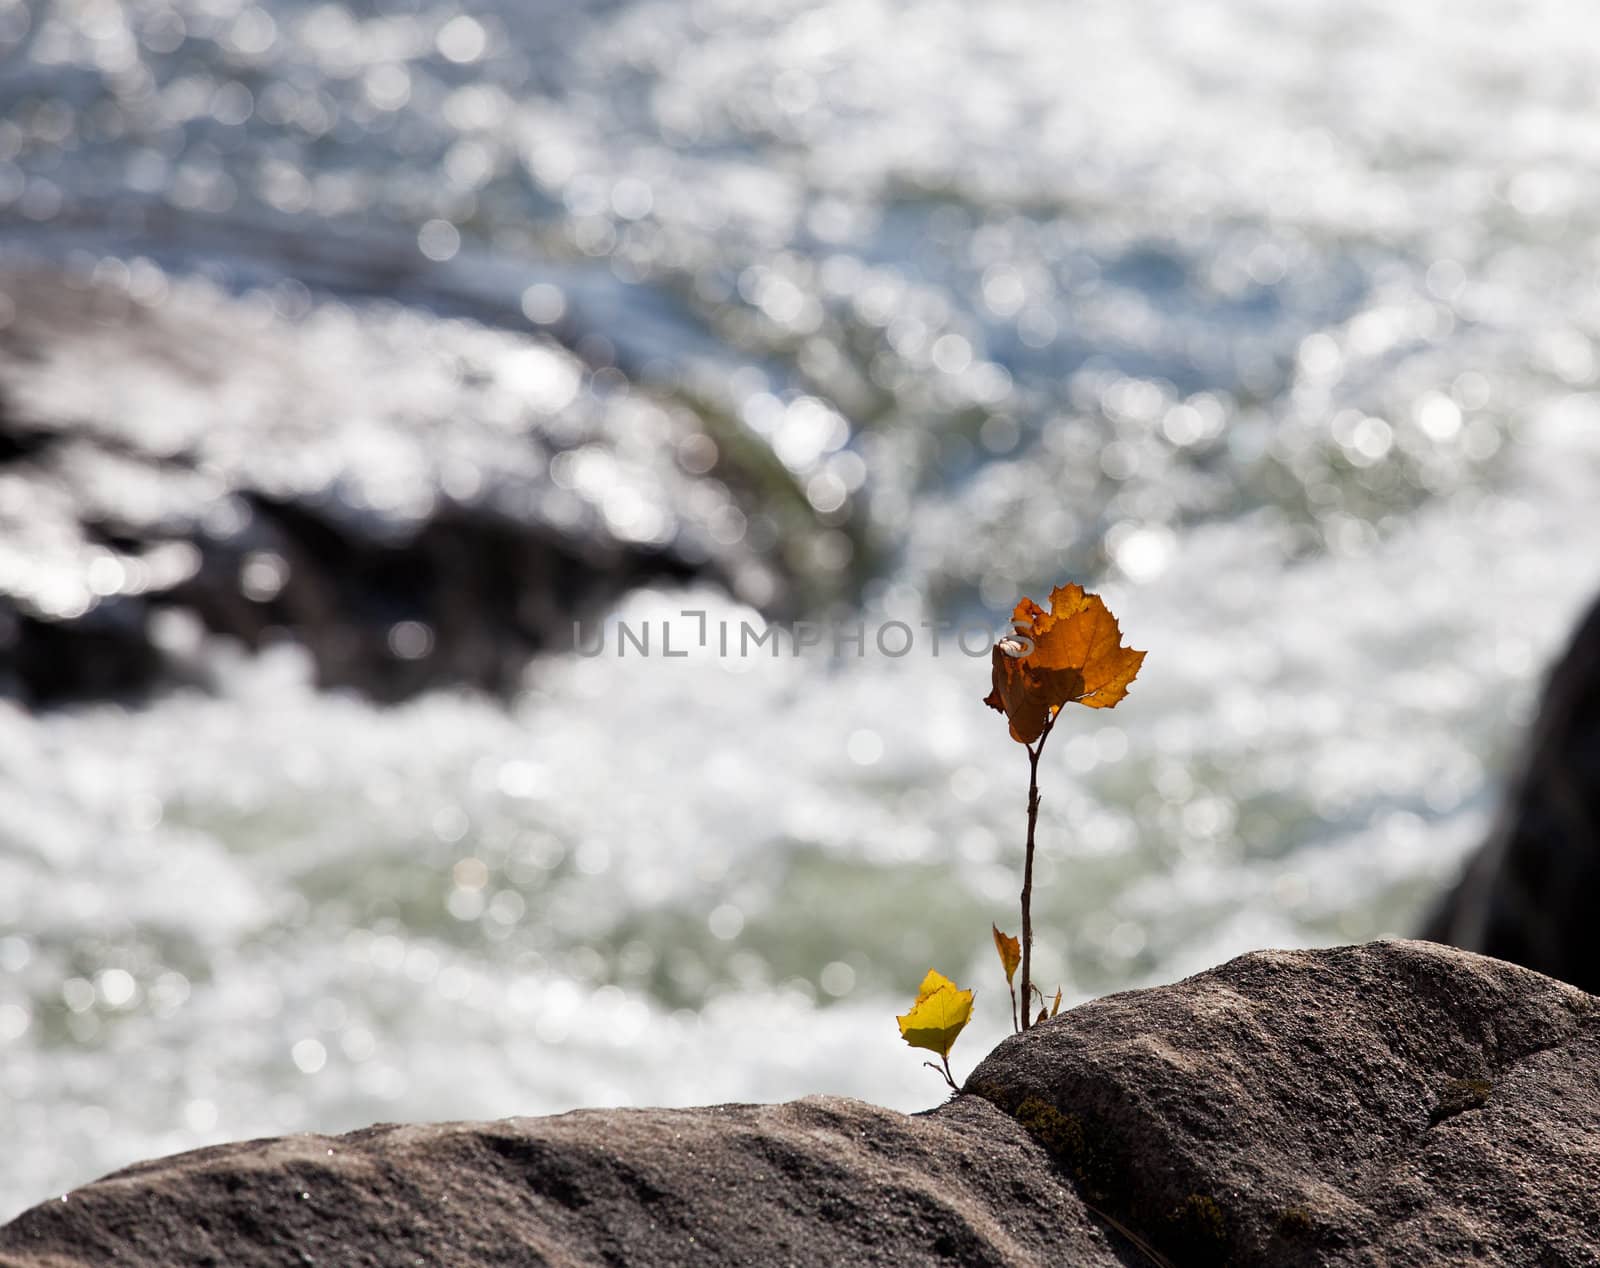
pixel 1072 654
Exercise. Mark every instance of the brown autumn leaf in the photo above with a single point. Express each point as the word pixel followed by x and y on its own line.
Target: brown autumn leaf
pixel 1010 951
pixel 1072 654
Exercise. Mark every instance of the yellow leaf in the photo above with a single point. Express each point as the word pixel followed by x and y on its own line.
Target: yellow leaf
pixel 935 981
pixel 1056 1007
pixel 939 1014
pixel 1072 654
pixel 1010 952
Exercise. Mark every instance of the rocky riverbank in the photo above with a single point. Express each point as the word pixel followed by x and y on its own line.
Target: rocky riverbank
pixel 1398 1103
pixel 412 499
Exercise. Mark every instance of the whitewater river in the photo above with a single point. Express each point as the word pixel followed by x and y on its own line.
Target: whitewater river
pixel 1274 324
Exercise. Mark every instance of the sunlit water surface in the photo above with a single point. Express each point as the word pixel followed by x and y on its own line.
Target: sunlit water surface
pixel 1278 323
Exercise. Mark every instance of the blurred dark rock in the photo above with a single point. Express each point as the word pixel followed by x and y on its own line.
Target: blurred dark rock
pixel 1529 894
pixel 1400 1103
pixel 416 500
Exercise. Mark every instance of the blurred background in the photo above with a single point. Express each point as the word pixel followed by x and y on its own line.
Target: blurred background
pixel 350 352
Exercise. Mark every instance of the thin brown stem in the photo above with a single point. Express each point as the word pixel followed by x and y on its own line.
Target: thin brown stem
pixel 1027 881
pixel 1035 751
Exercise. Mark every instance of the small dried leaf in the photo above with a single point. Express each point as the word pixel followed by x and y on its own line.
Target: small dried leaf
pixel 1072 654
pixel 1056 1007
pixel 1041 1017
pixel 1010 952
pixel 940 1013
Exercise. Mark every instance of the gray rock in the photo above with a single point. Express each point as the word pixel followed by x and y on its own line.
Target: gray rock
pixel 1399 1103
pixel 1528 895
pixel 819 1181
pixel 1395 1103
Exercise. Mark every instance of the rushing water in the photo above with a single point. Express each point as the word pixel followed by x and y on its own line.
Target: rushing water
pixel 1279 323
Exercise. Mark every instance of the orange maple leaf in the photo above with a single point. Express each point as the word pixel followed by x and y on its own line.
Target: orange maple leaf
pixel 1072 654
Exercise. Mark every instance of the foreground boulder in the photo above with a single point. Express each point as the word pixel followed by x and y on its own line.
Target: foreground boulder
pixel 819 1181
pixel 1398 1103
pixel 1528 895
pixel 1395 1103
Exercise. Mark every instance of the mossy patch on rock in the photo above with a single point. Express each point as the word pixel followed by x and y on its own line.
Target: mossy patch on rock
pixel 1458 1096
pixel 1070 1142
pixel 1197 1231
